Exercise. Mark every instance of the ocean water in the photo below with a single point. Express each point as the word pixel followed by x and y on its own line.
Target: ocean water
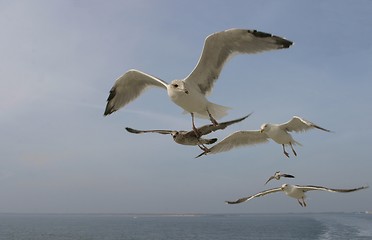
pixel 176 227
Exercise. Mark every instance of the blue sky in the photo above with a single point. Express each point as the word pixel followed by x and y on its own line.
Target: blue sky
pixel 59 60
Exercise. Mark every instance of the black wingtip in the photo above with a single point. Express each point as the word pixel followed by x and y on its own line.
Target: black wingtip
pixel 284 43
pixel 235 121
pixel 259 34
pixel 201 154
pixel 213 140
pixel 243 118
pixel 320 128
pixel 131 130
pixel 248 115
pixel 110 109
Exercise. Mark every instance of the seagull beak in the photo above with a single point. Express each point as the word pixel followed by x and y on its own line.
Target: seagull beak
pixel 261 130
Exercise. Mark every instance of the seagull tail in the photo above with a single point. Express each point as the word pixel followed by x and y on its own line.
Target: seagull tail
pixel 217 111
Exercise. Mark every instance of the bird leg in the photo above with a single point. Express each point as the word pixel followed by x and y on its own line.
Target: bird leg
pixel 294 152
pixel 203 148
pixel 215 123
pixel 285 153
pixel 196 131
pixel 300 202
pixel 303 201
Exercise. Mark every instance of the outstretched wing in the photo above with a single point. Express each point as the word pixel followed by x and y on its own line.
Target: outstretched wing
pixel 238 139
pixel 136 131
pixel 206 129
pixel 311 187
pixel 271 178
pixel 128 87
pixel 286 175
pixel 298 124
pixel 260 194
pixel 220 46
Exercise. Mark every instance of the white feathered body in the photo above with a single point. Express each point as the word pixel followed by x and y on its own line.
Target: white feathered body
pixel 195 102
pixel 280 136
pixel 293 192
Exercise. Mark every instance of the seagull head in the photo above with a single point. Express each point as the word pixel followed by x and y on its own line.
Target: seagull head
pixel 264 127
pixel 179 86
pixel 284 187
pixel 174 134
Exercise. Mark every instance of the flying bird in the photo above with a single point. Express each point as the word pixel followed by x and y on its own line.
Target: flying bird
pixel 190 92
pixel 277 175
pixel 295 191
pixel 189 137
pixel 277 132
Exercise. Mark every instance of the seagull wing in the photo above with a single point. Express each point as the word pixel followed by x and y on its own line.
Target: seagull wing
pixel 271 178
pixel 237 139
pixel 128 87
pixel 206 129
pixel 286 175
pixel 136 131
pixel 311 187
pixel 298 124
pixel 220 46
pixel 260 194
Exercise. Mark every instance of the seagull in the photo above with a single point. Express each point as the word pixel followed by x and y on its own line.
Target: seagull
pixel 190 92
pixel 295 191
pixel 277 132
pixel 277 175
pixel 189 137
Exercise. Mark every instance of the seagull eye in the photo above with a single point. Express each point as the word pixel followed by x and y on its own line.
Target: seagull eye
pixel 175 85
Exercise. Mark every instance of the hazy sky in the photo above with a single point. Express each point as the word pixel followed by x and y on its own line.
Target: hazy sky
pixel 59 60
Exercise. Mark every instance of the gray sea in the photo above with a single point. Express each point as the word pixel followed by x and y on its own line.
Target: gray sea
pixel 194 226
